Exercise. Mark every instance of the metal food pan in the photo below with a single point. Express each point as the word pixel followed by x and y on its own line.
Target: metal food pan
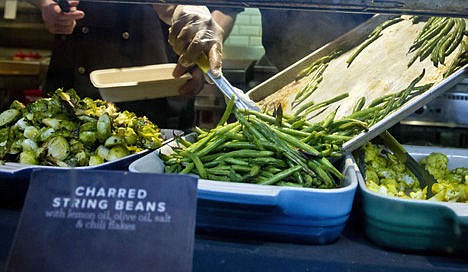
pixel 346 43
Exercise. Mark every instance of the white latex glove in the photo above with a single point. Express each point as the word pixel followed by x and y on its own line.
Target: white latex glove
pixel 58 22
pixel 195 36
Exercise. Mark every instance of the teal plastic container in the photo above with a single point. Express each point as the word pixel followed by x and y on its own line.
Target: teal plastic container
pixel 417 225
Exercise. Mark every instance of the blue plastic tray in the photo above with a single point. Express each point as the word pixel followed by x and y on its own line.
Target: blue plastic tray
pixel 417 225
pixel 292 214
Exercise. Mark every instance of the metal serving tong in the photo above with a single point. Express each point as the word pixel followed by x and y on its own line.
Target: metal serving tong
pixel 424 177
pixel 241 100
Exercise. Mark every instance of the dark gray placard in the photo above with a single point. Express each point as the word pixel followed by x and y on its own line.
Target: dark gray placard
pixel 132 222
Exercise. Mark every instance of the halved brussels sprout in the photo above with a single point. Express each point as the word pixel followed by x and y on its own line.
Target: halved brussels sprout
pixel 58 148
pixel 9 116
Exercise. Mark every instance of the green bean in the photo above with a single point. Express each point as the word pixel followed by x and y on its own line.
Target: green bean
pixel 268 160
pixel 365 113
pixel 430 29
pixel 210 146
pixel 217 131
pixel 237 145
pixel 330 118
pixel 298 124
pixel 246 153
pixel 212 163
pixel 372 37
pixel 320 172
pixel 281 175
pixel 272 170
pixel 198 130
pixel 460 29
pixel 293 132
pixel 294 142
pixel 359 104
pixel 291 154
pixel 236 161
pixel 255 170
pixel 262 116
pixel 187 168
pixel 217 171
pixel 227 111
pixel 324 103
pixel 218 178
pixel 198 164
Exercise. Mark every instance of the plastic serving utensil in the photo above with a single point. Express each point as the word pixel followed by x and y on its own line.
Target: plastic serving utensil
pixel 424 177
pixel 241 100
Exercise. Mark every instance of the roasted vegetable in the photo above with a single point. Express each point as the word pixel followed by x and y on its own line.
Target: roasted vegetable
pixel 64 130
pixel 388 176
pixel 439 37
pixel 257 148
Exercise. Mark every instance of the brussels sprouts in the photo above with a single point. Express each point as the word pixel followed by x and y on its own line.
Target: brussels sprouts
pixel 45 133
pixel 64 130
pixel 113 141
pixel 102 151
pixel 88 126
pixel 21 124
pixel 103 126
pixel 76 146
pixel 4 141
pixel 128 134
pixel 88 137
pixel 9 116
pixel 29 145
pixel 28 157
pixel 117 152
pixel 82 158
pixel 31 132
pixel 16 146
pixel 95 160
pixel 58 148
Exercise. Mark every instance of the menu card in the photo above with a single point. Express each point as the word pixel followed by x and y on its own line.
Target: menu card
pixel 95 220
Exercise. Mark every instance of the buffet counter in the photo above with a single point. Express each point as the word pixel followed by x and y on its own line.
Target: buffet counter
pixel 351 252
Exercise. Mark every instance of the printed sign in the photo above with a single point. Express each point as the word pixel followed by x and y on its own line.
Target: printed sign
pixel 106 221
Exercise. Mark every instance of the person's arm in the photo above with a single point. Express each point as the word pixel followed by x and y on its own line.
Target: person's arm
pixel 56 21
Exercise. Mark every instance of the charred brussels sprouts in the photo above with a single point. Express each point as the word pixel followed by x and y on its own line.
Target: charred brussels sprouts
pixel 65 130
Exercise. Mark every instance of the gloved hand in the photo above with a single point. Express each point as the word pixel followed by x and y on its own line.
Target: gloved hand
pixel 58 22
pixel 194 35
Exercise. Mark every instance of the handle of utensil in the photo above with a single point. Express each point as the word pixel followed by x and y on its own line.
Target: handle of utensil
pixel 397 149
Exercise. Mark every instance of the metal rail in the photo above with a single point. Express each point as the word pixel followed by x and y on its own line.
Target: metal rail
pixel 452 8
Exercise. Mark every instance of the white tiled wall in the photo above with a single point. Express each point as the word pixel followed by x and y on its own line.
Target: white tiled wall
pixel 245 40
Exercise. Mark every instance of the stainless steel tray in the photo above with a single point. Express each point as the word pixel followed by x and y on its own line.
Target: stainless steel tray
pixel 346 43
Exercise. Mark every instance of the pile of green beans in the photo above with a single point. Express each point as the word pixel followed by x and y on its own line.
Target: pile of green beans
pixel 382 106
pixel 460 60
pixel 257 148
pixel 439 37
pixel 315 71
